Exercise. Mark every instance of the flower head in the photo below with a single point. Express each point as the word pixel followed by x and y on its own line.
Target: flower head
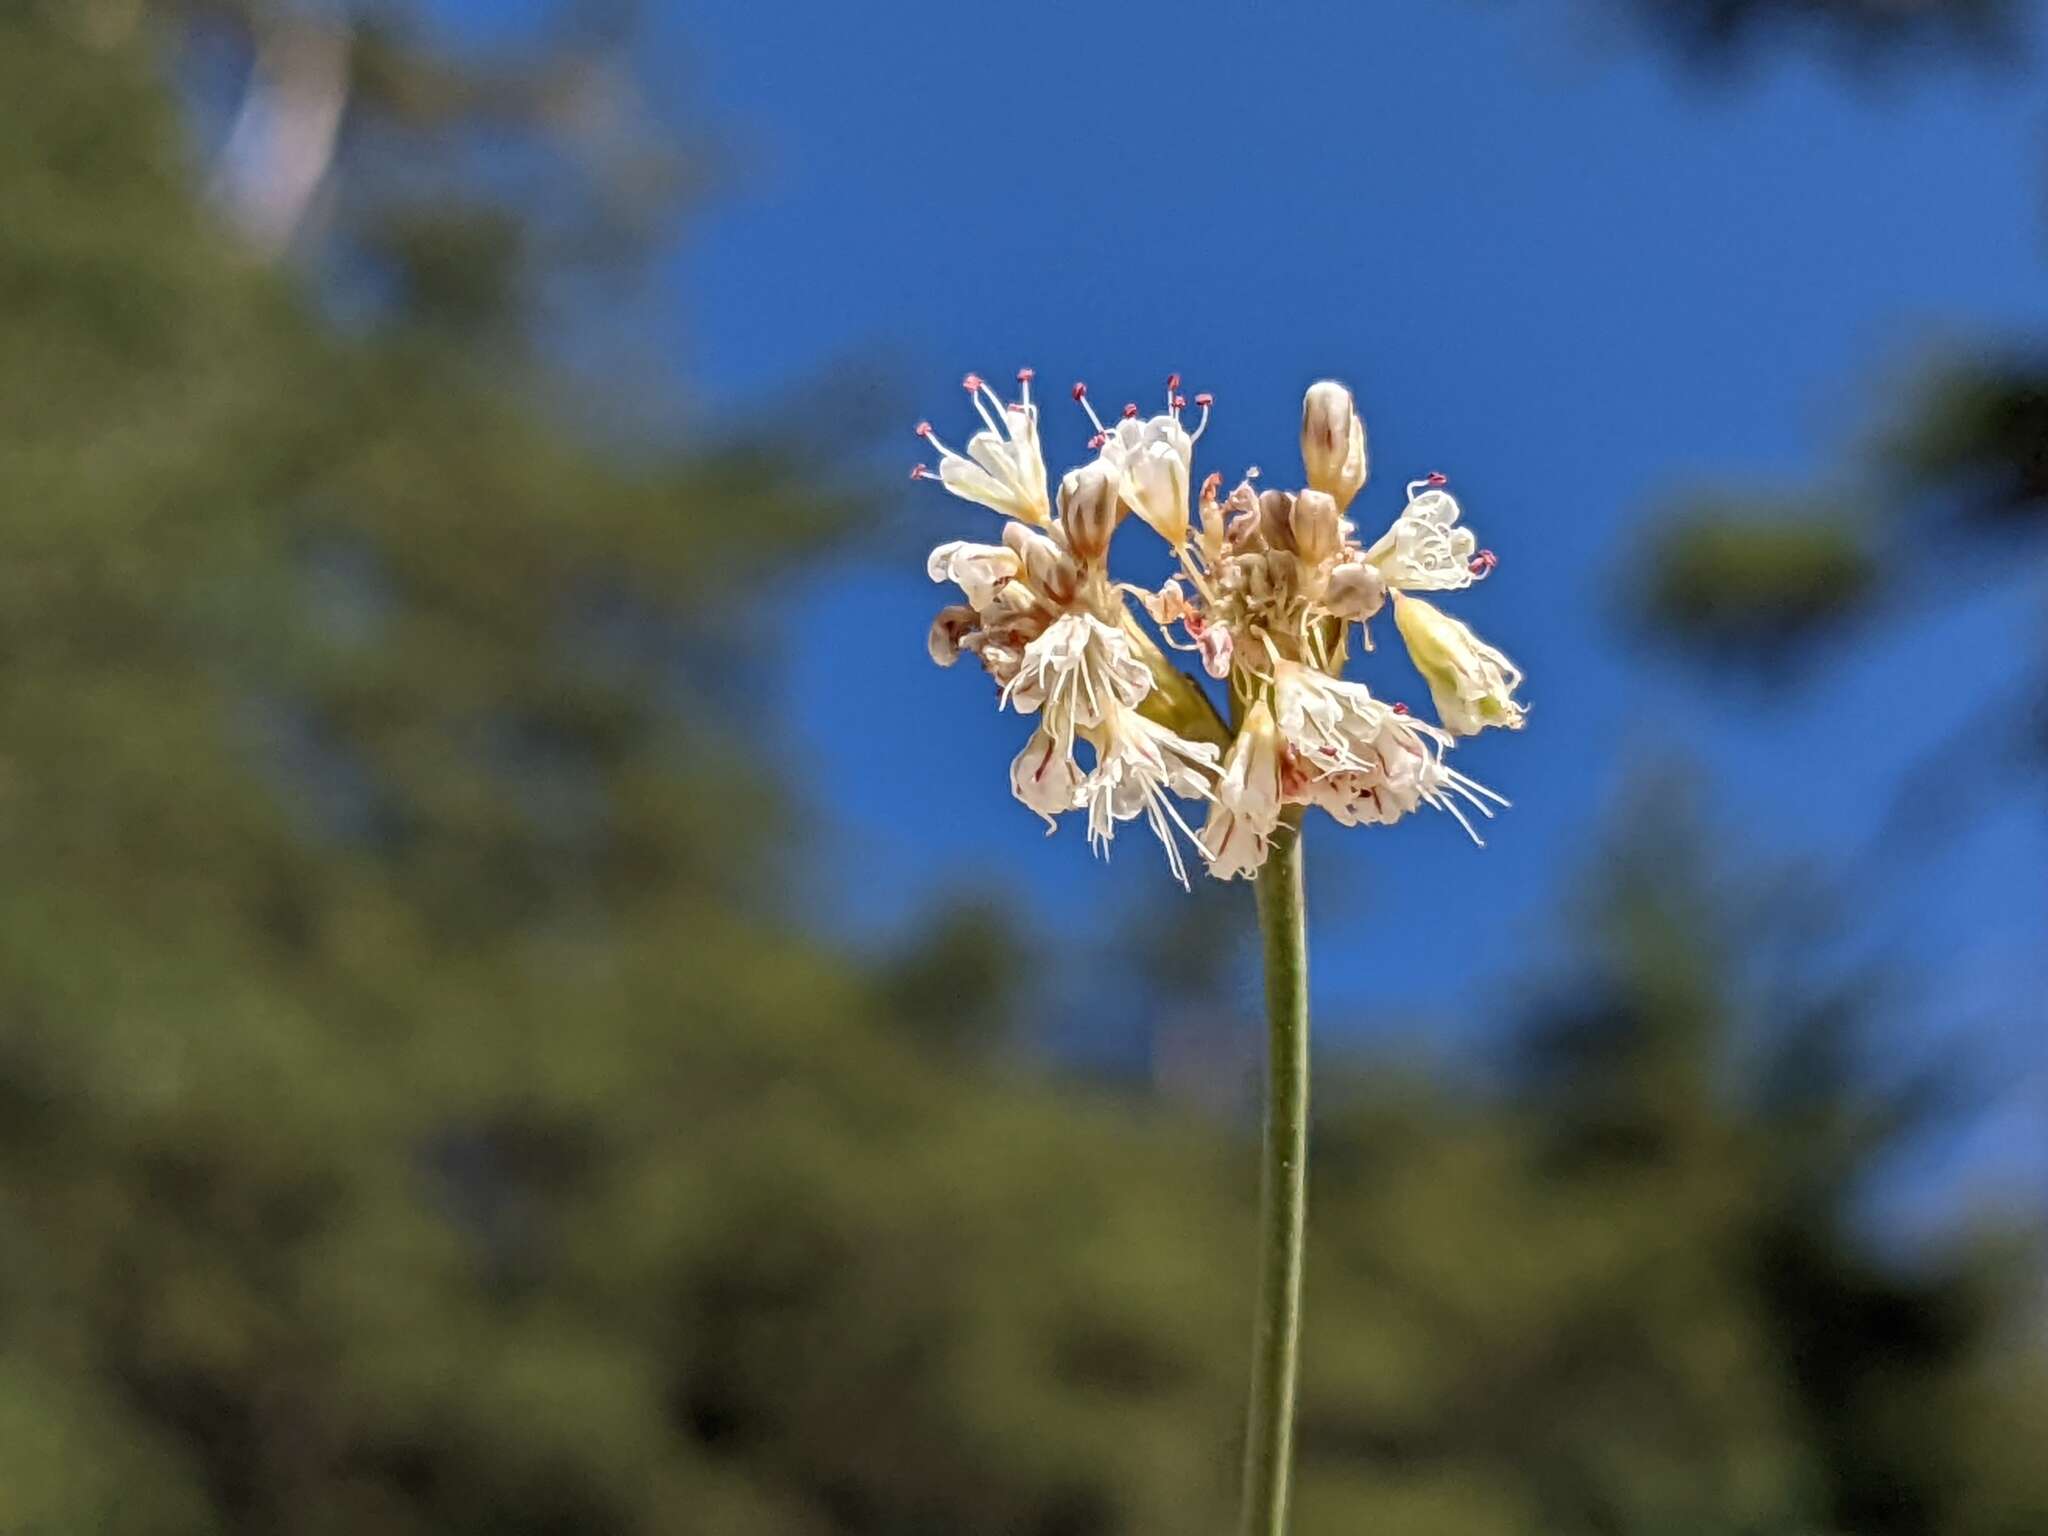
pixel 1265 590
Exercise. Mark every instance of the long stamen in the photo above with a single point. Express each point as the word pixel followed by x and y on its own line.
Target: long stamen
pixel 975 390
pixel 1081 396
pixel 1204 401
pixel 924 430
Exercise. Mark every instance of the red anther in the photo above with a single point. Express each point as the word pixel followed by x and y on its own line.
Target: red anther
pixel 1180 402
pixel 1130 411
pixel 1026 375
pixel 1438 479
pixel 1205 400
pixel 972 383
pixel 1080 389
pixel 1173 381
pixel 924 429
pixel 1399 709
pixel 920 472
pixel 1097 440
pixel 1482 562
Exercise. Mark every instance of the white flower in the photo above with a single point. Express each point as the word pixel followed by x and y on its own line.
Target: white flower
pixel 1004 467
pixel 1153 460
pixel 1364 761
pixel 1138 764
pixel 1472 683
pixel 1045 777
pixel 1404 769
pixel 976 569
pixel 1425 551
pixel 1248 799
pixel 1331 725
pixel 1080 671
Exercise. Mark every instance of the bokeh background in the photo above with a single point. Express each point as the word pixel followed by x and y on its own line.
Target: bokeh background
pixel 526 1007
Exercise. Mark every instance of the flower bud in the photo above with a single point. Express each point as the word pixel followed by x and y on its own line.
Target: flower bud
pixel 1314 522
pixel 1212 522
pixel 1333 442
pixel 1088 510
pixel 1355 591
pixel 1275 513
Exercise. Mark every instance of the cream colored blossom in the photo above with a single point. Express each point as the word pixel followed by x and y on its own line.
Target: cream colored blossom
pixel 1046 778
pixel 1471 683
pixel 1248 799
pixel 1262 602
pixel 976 569
pixel 1425 550
pixel 1003 466
pixel 1078 672
pixel 1139 767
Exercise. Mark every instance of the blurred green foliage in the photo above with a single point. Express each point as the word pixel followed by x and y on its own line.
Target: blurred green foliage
pixel 1718 33
pixel 1753 580
pixel 417 1113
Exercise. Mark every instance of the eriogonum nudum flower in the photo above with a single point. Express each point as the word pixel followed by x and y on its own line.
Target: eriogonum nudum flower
pixel 1264 588
pixel 1248 798
pixel 1003 467
pixel 1471 683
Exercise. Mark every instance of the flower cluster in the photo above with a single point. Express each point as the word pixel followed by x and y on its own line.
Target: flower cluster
pixel 1267 588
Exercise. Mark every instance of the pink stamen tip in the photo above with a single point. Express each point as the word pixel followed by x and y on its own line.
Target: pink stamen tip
pixel 1438 479
pixel 1173 381
pixel 1026 375
pixel 1482 562
pixel 972 383
pixel 1097 440
pixel 924 429
pixel 1130 411
pixel 1399 709
pixel 1180 402
pixel 1205 400
pixel 1080 389
pixel 919 472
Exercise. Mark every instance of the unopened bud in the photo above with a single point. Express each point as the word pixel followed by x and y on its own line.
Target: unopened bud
pixel 1089 504
pixel 1355 591
pixel 1275 510
pixel 1333 442
pixel 1314 523
pixel 1048 570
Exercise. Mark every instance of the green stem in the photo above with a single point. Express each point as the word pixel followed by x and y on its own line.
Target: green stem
pixel 1283 1189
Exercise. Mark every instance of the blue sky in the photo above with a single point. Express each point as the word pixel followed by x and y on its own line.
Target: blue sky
pixel 1551 265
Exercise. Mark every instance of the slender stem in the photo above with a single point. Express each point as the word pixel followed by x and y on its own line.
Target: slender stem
pixel 1283 1189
